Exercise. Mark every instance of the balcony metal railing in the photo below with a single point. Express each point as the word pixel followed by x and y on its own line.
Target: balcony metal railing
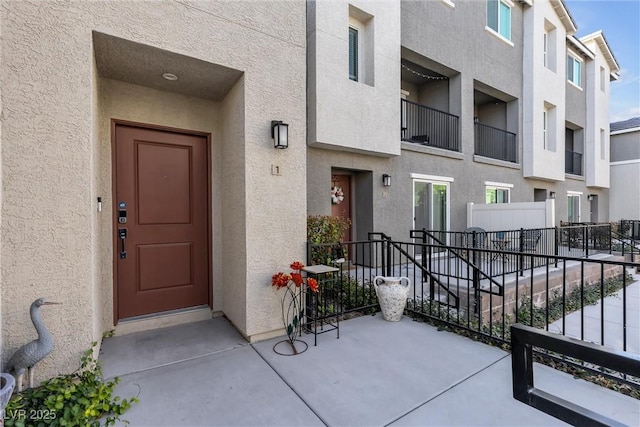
pixel 573 163
pixel 495 143
pixel 427 126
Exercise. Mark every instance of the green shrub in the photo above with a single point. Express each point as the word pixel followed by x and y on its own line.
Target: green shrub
pixel 573 301
pixel 324 230
pixel 78 399
pixel 356 295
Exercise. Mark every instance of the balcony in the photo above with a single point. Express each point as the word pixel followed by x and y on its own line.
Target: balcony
pixel 495 143
pixel 427 126
pixel 573 163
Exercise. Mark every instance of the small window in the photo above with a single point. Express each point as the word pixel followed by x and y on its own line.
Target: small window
pixel 574 67
pixel 603 144
pixel 496 195
pixel 353 53
pixel 545 116
pixel 602 79
pixel 499 17
pixel 545 48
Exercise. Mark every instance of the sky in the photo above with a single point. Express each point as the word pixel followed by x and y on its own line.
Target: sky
pixel 619 20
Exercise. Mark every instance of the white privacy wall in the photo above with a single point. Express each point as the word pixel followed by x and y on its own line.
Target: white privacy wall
pixel 511 216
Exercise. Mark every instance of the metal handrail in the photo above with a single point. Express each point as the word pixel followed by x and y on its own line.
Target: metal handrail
pixel 475 268
pixel 410 257
pixel 524 338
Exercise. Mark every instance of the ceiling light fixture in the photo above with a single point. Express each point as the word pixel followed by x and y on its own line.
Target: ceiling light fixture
pixel 170 76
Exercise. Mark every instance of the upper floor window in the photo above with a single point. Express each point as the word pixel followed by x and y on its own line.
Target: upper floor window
pixel 545 124
pixel 602 79
pixel 353 53
pixel 499 17
pixel 361 46
pixel 545 41
pixel 574 70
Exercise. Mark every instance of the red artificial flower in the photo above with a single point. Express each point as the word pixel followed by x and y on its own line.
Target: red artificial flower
pixel 297 279
pixel 297 265
pixel 312 284
pixel 280 280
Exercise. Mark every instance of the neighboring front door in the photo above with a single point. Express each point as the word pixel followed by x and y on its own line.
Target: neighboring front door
pixel 162 262
pixel 341 201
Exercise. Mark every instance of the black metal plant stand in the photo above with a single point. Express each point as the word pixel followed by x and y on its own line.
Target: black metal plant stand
pixel 323 308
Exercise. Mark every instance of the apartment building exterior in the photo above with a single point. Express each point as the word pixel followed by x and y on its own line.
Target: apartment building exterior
pixel 141 187
pixel 624 194
pixel 499 102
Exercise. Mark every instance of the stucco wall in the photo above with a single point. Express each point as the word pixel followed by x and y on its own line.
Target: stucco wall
pixel 341 111
pixel 625 146
pixel 576 98
pixel 543 87
pixel 625 198
pixel 597 147
pixel 56 159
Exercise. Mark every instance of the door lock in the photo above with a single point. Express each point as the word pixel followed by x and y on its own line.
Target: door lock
pixel 122 233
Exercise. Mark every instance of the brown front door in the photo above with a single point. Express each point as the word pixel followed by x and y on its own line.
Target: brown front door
pixel 162 262
pixel 341 207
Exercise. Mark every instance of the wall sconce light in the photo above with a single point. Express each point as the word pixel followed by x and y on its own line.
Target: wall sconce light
pixel 552 194
pixel 280 134
pixel 590 197
pixel 386 180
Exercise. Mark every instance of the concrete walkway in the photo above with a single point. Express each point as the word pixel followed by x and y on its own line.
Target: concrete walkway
pixel 378 373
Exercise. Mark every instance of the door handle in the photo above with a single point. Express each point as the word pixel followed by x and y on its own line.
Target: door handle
pixel 122 233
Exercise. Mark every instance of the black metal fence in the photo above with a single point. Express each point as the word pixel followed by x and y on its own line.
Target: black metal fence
pixel 451 284
pixel 573 163
pixel 588 238
pixel 427 126
pixel 495 143
pixel 630 228
pixel 510 247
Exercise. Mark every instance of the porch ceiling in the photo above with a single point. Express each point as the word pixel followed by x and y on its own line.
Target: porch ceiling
pixel 143 65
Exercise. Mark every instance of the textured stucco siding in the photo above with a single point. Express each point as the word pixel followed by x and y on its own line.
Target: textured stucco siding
pixel 47 145
pixel 625 197
pixel 342 111
pixel 597 156
pixel 625 146
pixel 56 156
pixel 576 98
pixel 543 86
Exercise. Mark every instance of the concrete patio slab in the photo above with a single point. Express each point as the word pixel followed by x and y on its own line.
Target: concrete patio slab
pixel 144 350
pixel 377 373
pixel 488 401
pixel 230 388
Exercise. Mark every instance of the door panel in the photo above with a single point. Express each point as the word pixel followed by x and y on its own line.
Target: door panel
pixel 162 185
pixel 343 208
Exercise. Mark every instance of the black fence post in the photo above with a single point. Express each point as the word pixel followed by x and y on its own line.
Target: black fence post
pixel 556 237
pixel 585 241
pixel 521 256
pixel 389 266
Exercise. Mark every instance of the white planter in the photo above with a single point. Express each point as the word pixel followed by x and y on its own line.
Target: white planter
pixel 392 296
pixel 7 382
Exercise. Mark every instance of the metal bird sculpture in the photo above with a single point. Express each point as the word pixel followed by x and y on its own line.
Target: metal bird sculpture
pixel 26 357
